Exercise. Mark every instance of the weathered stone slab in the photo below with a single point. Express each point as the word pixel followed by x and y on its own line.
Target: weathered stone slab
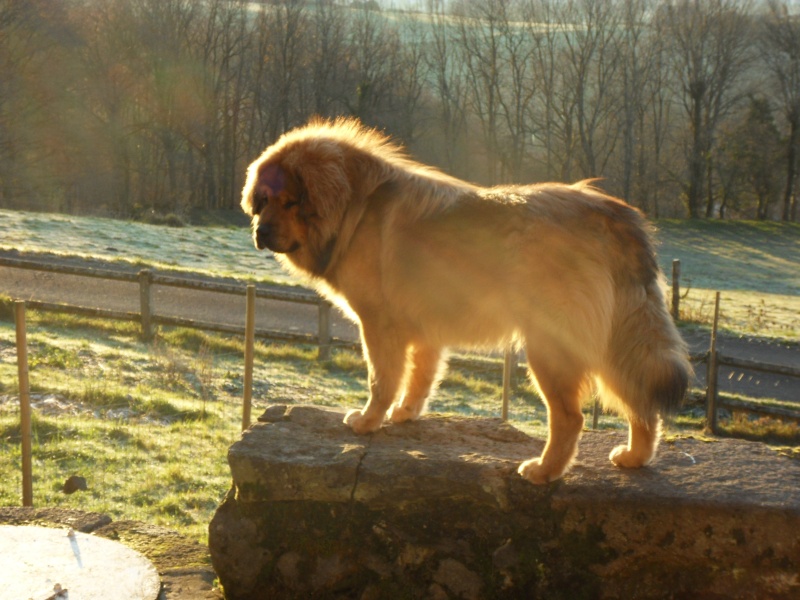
pixel 182 563
pixel 435 509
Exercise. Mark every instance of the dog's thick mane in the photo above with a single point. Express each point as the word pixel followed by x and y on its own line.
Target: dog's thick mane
pixel 434 187
pixel 349 132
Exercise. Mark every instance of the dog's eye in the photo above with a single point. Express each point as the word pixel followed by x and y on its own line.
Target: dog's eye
pixel 291 204
pixel 258 204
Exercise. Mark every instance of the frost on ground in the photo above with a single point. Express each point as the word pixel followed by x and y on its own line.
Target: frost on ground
pixel 57 405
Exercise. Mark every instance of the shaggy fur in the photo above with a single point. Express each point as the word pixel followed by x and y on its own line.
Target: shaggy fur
pixel 423 261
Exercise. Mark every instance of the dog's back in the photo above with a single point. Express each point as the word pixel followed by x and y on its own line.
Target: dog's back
pixel 549 264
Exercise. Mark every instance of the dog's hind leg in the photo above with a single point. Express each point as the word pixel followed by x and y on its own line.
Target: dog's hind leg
pixel 642 443
pixel 645 376
pixel 425 367
pixel 562 383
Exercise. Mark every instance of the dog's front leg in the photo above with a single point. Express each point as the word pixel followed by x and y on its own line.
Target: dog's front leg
pixel 425 367
pixel 385 352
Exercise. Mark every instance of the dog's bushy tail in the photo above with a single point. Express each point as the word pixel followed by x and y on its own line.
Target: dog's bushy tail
pixel 647 368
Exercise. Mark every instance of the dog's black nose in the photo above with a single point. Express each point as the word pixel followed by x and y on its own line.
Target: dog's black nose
pixel 263 236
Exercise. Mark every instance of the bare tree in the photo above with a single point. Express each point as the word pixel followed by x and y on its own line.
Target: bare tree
pixel 16 48
pixel 448 84
pixel 111 79
pixel 479 39
pixel 33 76
pixel 411 76
pixel 281 32
pixel 654 165
pixel 220 46
pixel 638 53
pixel 152 51
pixel 552 119
pixel 140 105
pixel 710 49
pixel 590 56
pixel 497 49
pixel 748 161
pixel 518 86
pixel 330 61
pixel 374 44
pixel 780 51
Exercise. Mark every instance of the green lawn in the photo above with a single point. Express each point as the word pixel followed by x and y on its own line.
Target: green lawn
pixel 220 251
pixel 754 265
pixel 149 425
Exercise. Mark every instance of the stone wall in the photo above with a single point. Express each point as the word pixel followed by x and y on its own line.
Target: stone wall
pixel 435 509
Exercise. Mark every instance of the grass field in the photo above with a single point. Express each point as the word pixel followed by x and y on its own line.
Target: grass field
pixel 221 251
pixel 754 265
pixel 148 425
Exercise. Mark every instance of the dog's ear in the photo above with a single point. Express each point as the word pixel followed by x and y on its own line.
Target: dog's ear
pixel 263 179
pixel 272 177
pixel 266 180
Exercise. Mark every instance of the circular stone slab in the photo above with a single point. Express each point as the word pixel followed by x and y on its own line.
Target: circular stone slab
pixel 34 560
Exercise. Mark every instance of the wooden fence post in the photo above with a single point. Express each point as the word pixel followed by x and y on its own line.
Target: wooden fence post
pixel 676 289
pixel 324 330
pixel 145 279
pixel 595 413
pixel 249 350
pixel 24 403
pixel 711 374
pixel 509 364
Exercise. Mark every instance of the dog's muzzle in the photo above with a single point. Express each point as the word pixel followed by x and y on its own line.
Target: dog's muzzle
pixel 264 237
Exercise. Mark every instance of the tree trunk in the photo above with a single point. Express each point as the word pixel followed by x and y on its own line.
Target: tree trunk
pixel 791 166
pixel 709 187
pixel 696 162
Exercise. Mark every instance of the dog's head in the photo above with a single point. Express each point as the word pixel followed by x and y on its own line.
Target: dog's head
pixel 277 203
pixel 296 193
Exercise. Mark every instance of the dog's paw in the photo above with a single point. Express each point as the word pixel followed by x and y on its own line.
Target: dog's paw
pixel 401 414
pixel 623 457
pixel 533 471
pixel 361 423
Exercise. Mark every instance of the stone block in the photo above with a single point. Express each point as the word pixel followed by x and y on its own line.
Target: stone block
pixel 435 509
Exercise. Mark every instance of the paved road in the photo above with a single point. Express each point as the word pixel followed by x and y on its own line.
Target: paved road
pixel 170 301
pixel 292 317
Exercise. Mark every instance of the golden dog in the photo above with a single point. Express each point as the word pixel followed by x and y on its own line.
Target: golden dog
pixel 423 261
